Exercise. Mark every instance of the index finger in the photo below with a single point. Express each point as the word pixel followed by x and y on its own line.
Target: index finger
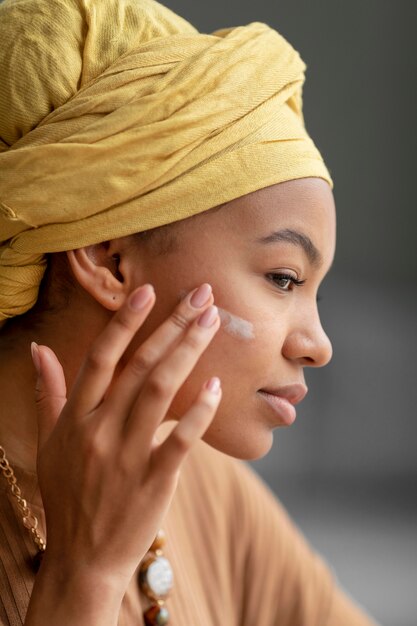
pixel 98 367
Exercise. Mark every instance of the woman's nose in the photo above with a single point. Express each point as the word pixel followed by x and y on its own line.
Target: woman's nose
pixel 308 343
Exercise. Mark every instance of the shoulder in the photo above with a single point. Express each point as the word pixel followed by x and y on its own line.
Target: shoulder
pixel 278 577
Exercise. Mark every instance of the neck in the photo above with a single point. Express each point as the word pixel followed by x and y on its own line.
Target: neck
pixel 18 423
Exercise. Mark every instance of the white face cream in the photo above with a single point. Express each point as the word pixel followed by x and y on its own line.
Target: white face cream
pixel 235 325
pixel 232 324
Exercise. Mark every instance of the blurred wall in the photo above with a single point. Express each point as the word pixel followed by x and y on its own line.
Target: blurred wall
pixel 360 417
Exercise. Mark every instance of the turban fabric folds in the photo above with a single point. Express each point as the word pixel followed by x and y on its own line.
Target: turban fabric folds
pixel 117 116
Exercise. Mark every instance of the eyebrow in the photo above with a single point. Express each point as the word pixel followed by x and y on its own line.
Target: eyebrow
pixel 295 238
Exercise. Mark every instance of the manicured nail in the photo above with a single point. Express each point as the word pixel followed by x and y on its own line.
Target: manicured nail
pixel 34 348
pixel 213 385
pixel 141 297
pixel 200 297
pixel 208 318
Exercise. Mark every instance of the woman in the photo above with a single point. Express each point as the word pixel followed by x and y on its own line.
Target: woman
pixel 165 222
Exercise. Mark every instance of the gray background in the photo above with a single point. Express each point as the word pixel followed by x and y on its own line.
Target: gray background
pixel 347 469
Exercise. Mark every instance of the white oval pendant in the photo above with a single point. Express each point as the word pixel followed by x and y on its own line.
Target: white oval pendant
pixel 158 576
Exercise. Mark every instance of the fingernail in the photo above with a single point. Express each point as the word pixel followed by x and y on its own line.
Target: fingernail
pixel 140 298
pixel 208 317
pixel 201 296
pixel 34 348
pixel 213 385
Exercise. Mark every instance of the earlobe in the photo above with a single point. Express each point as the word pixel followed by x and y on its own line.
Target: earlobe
pixel 98 274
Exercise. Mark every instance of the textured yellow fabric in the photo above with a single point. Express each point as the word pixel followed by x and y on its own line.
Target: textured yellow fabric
pixel 117 116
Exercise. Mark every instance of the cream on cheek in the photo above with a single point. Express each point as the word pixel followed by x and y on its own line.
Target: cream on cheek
pixel 236 326
pixel 232 324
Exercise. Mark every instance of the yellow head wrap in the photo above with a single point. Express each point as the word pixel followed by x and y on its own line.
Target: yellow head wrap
pixel 117 116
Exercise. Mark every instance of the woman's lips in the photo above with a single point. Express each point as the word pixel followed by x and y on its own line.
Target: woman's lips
pixel 283 401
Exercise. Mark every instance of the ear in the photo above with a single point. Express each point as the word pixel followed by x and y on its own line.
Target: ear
pixel 96 269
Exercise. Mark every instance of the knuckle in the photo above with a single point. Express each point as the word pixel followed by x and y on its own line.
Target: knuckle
pixel 161 385
pixel 41 398
pixel 193 341
pixel 143 360
pixel 94 446
pixel 124 320
pixel 180 443
pixel 94 451
pixel 179 320
pixel 97 358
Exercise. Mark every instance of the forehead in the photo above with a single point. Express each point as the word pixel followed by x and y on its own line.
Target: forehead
pixel 305 205
pixel 305 202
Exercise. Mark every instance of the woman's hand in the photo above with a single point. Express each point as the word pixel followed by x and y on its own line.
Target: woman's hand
pixel 106 482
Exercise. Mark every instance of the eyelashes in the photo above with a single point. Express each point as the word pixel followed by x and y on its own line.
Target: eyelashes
pixel 285 282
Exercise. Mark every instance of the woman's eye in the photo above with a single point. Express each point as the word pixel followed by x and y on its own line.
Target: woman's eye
pixel 285 282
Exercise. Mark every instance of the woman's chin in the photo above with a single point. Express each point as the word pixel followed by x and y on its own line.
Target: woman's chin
pixel 243 444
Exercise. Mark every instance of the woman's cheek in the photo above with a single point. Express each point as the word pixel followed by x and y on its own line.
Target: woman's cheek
pixel 236 326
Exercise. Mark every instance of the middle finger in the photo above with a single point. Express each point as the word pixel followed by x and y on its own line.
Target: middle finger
pixel 166 379
pixel 125 390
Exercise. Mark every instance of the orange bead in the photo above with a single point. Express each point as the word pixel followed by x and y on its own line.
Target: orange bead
pixel 159 541
pixel 156 616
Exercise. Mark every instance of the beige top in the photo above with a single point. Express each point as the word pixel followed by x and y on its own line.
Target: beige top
pixel 237 558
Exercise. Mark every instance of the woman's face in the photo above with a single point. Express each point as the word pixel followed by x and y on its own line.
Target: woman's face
pixel 296 220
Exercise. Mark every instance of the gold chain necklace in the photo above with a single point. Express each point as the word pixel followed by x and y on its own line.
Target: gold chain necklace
pixel 30 521
pixel 155 572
